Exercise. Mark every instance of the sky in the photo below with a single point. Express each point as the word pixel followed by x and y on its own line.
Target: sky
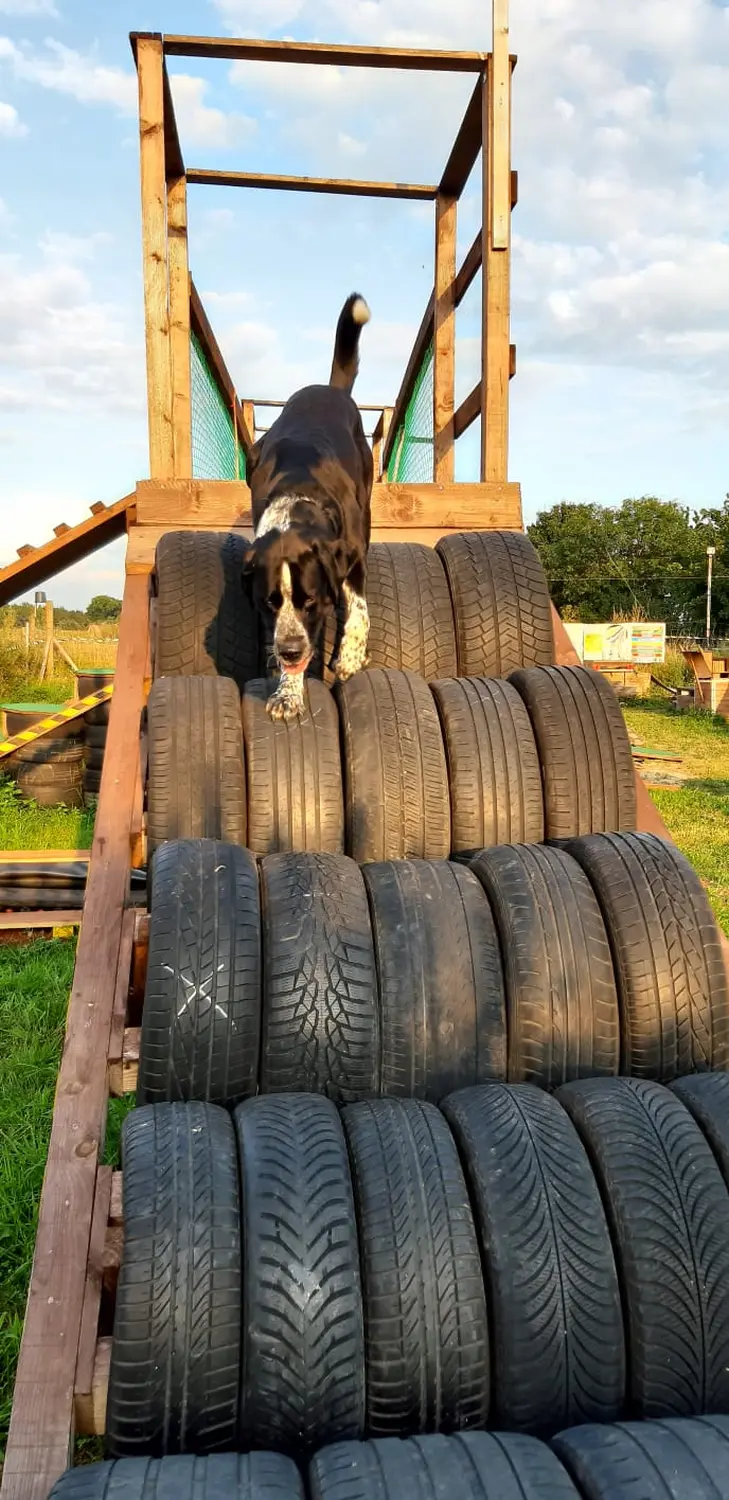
pixel 620 255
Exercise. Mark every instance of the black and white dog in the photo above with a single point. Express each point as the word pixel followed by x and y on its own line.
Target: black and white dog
pixel 311 486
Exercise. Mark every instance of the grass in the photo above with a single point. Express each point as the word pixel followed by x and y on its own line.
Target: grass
pixel 697 813
pixel 24 825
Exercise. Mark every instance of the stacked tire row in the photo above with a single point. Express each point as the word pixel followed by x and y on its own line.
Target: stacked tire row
pixel 389 766
pixel 653 1460
pixel 48 771
pixel 295 1276
pixel 477 604
pixel 413 978
pixel 96 723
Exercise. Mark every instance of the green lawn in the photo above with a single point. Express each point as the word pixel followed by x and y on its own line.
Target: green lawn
pixel 696 813
pixel 23 825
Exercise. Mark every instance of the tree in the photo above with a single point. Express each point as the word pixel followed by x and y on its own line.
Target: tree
pixel 103 609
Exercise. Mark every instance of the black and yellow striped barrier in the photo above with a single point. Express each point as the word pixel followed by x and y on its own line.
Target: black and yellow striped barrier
pixel 73 710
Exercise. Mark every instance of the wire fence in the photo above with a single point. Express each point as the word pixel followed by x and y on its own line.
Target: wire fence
pixel 216 448
pixel 411 456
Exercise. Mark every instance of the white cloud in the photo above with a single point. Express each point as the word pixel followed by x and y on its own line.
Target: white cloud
pixel 27 8
pixel 202 125
pixel 69 72
pixel 11 124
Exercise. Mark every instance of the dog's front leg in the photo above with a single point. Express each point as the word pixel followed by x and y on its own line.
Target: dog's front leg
pixel 352 655
pixel 289 699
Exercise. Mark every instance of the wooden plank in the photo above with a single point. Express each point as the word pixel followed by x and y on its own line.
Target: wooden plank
pixel 41 1423
pixel 23 924
pixel 444 340
pixel 61 529
pixel 465 148
pixel 379 438
pixel 97 507
pixel 94 1276
pixel 174 164
pixel 90 1409
pixel 179 326
pixel 116 1204
pixel 223 503
pixel 140 955
pixel 495 347
pixel 115 1050
pixel 468 411
pixel 499 101
pixel 154 256
pixel 343 186
pixel 113 1250
pixel 126 1073
pixel 40 563
pixel 250 49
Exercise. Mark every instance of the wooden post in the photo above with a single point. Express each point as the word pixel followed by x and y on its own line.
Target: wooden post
pixel 179 327
pixel 249 417
pixel 380 436
pixel 444 339
pixel 150 69
pixel 41 1426
pixel 48 659
pixel 496 252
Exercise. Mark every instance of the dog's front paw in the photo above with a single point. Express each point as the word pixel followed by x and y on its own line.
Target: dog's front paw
pixel 288 701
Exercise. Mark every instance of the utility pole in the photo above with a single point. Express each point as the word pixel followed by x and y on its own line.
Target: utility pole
pixel 711 554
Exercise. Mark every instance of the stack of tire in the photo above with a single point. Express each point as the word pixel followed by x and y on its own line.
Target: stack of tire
pixel 48 771
pixel 427 1192
pixel 96 723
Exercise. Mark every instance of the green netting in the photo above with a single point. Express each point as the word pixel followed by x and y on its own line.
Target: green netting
pixel 216 450
pixel 411 456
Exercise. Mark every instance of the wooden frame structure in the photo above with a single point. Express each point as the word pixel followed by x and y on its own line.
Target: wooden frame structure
pixel 63 1365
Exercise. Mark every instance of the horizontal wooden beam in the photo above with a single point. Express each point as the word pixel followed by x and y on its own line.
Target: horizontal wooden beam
pixel 378 406
pixel 252 49
pixel 351 188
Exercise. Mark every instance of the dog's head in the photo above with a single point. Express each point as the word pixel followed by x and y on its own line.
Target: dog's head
pixel 295 581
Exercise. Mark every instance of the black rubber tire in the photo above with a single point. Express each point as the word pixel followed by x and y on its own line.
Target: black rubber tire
pixel 201 1023
pixel 174 1379
pixel 493 765
pixel 554 1299
pixel 441 981
pixel 206 626
pixel 501 602
pixel 411 616
pixel 321 1030
pixel 669 964
pixel 90 682
pixel 466 1466
pixel 94 760
pixel 196 784
pixel 668 1210
pixel 294 772
pixel 41 897
pixel 92 782
pixel 222 1476
pixel 303 1362
pixel 424 1299
pixel 44 758
pixel 66 792
pixel 584 751
pixel 95 736
pixel 681 1457
pixel 562 1015
pixel 396 802
pixel 706 1095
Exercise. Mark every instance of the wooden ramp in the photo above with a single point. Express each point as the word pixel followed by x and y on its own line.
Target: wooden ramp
pixel 68 545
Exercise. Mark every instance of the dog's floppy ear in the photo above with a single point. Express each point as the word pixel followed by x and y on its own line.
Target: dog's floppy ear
pixel 252 460
pixel 248 565
pixel 334 559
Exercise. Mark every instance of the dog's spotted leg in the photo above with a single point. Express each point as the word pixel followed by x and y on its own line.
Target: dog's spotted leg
pixel 289 699
pixel 353 650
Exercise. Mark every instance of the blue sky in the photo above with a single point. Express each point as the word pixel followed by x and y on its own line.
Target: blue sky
pixel 620 292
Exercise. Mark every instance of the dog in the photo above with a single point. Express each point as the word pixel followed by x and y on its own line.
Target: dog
pixel 310 478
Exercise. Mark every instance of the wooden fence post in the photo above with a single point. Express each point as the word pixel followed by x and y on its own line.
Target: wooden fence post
pixel 496 252
pixel 444 339
pixel 150 70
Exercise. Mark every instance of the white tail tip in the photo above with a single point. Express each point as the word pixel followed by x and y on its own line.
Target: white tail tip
pixel 360 311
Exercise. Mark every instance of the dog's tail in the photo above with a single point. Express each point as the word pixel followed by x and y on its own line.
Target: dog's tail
pixel 346 343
